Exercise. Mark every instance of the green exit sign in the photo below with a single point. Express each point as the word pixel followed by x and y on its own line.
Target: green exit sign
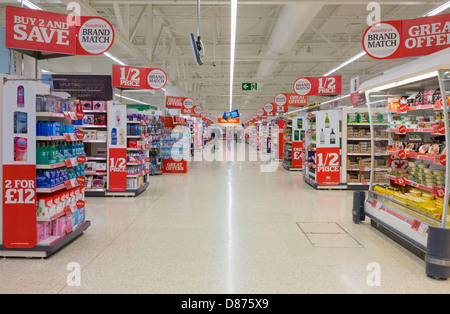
pixel 249 86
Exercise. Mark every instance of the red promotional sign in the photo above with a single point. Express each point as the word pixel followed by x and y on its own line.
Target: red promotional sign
pixel 285 100
pixel 39 30
pixel 117 169
pixel 297 154
pixel 408 38
pixel 53 32
pixel 175 166
pixel 324 85
pixel 328 169
pixel 137 77
pixel 296 100
pixel 354 98
pixel 19 206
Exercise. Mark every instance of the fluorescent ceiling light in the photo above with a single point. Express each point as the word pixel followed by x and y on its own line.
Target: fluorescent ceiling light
pixel 30 5
pixel 131 99
pixel 343 64
pixel 114 58
pixel 408 81
pixel 232 47
pixel 439 9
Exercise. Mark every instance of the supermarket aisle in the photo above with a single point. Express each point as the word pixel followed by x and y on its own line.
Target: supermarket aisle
pixel 225 227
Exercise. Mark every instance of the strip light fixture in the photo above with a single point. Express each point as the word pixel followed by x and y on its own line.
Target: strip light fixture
pixel 30 5
pixel 439 9
pixel 232 47
pixel 114 58
pixel 131 99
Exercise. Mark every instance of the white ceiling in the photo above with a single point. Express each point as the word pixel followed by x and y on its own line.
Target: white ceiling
pixel 277 42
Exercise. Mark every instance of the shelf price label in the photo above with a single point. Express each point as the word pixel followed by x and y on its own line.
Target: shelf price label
pixel 328 169
pixel 438 129
pixel 401 130
pixel 440 160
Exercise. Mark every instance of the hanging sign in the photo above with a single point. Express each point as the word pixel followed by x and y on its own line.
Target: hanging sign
pixel 324 85
pixel 36 30
pixel 290 99
pixel 407 38
pixel 129 77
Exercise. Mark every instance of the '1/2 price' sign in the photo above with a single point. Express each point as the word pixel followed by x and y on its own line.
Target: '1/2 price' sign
pixel 328 169
pixel 137 77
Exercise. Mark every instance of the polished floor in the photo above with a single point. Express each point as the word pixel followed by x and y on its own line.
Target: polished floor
pixel 225 227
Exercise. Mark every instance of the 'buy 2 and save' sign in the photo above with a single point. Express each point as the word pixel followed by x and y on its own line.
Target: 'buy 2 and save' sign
pixel 36 30
pixel 408 38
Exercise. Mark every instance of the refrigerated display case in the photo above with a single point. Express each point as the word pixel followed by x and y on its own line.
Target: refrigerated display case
pixel 412 208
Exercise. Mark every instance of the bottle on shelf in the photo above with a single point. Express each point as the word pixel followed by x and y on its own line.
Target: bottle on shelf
pixel 322 137
pixel 332 137
pixel 327 121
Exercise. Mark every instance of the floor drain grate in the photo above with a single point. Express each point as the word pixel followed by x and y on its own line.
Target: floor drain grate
pixel 328 235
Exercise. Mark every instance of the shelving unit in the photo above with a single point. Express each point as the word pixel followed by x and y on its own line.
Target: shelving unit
pixel 95 144
pixel 323 146
pixel 287 144
pixel 310 149
pixel 357 147
pixel 413 208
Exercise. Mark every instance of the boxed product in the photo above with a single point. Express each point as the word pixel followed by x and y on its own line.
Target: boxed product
pixel 101 135
pixel 98 105
pixel 90 134
pixel 100 119
pixel 89 166
pixel 99 151
pixel 86 105
pixel 100 167
pixel 88 119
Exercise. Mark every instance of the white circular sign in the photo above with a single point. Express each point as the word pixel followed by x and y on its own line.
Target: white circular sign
pixel 280 99
pixel 302 86
pixel 198 110
pixel 268 107
pixel 260 111
pixel 255 115
pixel 204 114
pixel 96 36
pixel 188 103
pixel 381 40
pixel 156 79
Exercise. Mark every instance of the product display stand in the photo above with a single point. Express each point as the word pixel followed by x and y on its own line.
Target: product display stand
pixel 47 210
pixel 294 149
pixel 94 127
pixel 323 150
pixel 413 208
pixel 128 151
pixel 287 144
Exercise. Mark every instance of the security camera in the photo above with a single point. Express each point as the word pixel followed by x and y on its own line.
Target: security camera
pixel 214 63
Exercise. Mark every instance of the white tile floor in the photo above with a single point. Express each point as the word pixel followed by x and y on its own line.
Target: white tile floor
pixel 225 227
